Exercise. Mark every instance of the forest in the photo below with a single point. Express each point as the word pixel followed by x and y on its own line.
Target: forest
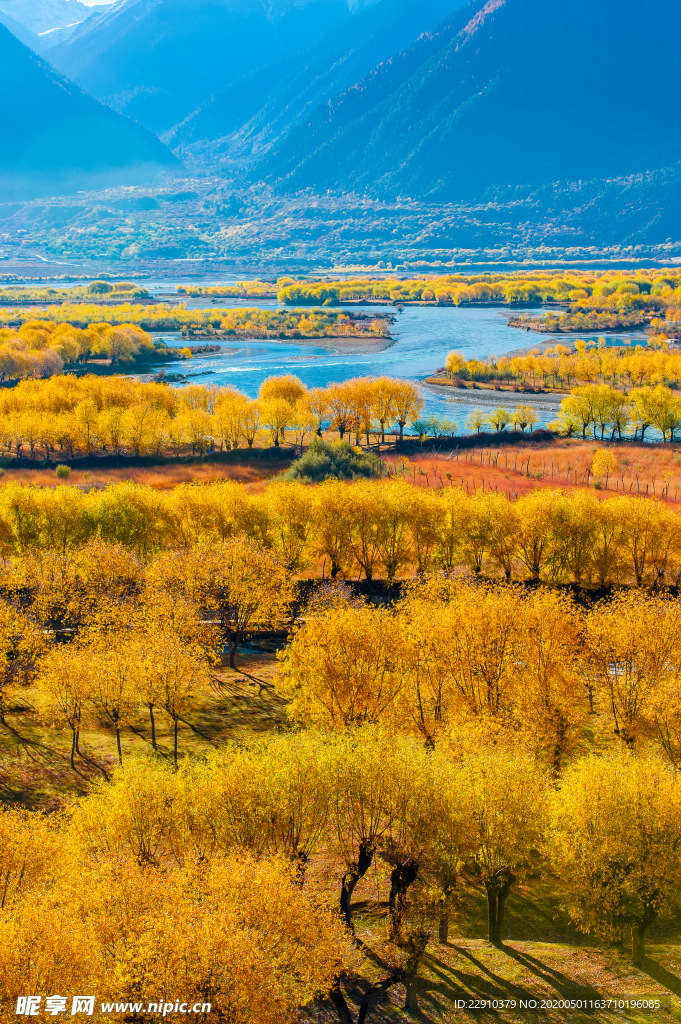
pixel 403 783
pixel 454 742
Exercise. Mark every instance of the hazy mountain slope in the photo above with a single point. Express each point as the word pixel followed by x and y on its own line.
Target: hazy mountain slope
pixel 507 92
pixel 43 15
pixel 253 112
pixel 27 37
pixel 59 137
pixel 157 60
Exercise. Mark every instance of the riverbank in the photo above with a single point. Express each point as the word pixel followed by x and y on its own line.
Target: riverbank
pixel 458 385
pixel 488 399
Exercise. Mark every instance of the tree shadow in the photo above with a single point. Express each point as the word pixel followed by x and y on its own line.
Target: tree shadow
pixel 489 986
pixel 199 732
pixel 661 975
pixel 565 986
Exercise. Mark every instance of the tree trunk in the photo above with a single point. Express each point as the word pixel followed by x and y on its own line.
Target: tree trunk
pixel 401 877
pixel 73 749
pixel 417 947
pixel 638 930
pixel 338 1000
pixel 175 721
pixel 498 888
pixel 443 929
pixel 375 990
pixel 637 943
pixel 153 726
pixel 352 877
pixel 232 654
pixel 118 743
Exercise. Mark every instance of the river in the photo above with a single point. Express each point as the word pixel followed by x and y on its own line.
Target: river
pixel 423 337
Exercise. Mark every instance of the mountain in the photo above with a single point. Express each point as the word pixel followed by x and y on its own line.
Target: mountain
pixel 41 24
pixel 61 139
pixel 503 93
pixel 253 112
pixel 27 37
pixel 43 15
pixel 157 60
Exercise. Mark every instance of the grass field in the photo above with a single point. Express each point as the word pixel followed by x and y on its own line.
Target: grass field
pixel 516 470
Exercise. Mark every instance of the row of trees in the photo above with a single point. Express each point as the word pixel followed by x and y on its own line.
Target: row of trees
pixel 605 289
pixel 619 366
pixel 366 528
pixel 600 408
pixel 502 418
pixel 456 661
pixel 93 414
pixel 17 295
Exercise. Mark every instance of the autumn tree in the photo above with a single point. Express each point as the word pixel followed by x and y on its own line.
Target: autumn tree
pixel 243 584
pixel 631 645
pixel 173 675
pixel 342 668
pixel 65 688
pixel 503 795
pixel 614 839
pixel 407 404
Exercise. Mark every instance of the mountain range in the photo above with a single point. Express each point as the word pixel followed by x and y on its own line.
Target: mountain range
pixel 41 24
pixel 246 118
pixel 493 102
pixel 60 139
pixel 503 93
pixel 158 60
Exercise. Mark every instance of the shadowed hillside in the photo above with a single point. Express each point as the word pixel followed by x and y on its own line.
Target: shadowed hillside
pixel 507 92
pixel 61 138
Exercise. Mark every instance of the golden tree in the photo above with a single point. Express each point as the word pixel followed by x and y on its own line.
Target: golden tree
pixel 631 647
pixel 65 688
pixel 503 795
pixel 243 584
pixel 21 643
pixel 342 668
pixel 173 675
pixel 291 516
pixel 615 839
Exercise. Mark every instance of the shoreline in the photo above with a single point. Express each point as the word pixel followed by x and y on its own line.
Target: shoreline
pixel 348 345
pixel 489 398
